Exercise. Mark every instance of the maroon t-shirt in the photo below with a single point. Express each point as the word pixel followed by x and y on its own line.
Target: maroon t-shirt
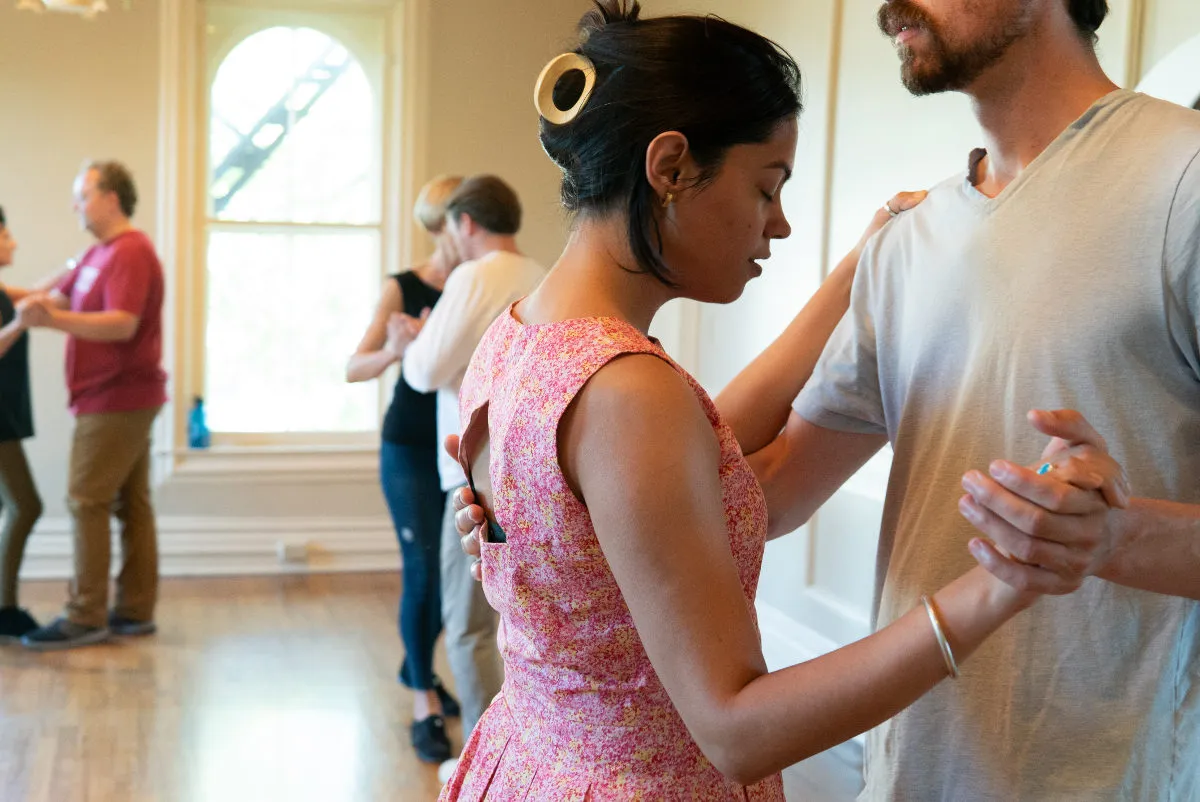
pixel 123 274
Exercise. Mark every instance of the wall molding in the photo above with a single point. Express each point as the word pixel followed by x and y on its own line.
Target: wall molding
pixel 831 129
pixel 291 466
pixel 1135 59
pixel 229 546
pixel 175 237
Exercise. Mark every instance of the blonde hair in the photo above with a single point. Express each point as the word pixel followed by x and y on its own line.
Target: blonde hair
pixel 430 209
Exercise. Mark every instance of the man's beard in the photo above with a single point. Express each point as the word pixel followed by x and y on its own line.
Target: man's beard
pixel 943 68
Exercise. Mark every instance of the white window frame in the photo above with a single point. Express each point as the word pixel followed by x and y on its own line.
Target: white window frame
pixel 353 28
pixel 181 236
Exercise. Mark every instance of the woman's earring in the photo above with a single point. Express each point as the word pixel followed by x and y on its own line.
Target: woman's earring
pixel 669 199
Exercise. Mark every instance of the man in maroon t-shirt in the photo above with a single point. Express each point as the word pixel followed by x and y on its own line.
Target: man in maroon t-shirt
pixel 110 307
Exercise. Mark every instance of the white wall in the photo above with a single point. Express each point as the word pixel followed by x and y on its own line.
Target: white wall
pixel 481 107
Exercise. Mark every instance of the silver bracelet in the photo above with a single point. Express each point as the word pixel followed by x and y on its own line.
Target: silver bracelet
pixel 940 634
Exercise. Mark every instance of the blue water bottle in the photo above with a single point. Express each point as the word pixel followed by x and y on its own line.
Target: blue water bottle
pixel 198 434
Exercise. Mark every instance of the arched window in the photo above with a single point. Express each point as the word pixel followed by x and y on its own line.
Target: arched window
pixel 293 233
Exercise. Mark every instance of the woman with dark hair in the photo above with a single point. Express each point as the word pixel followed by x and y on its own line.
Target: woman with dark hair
pixel 20 505
pixel 626 529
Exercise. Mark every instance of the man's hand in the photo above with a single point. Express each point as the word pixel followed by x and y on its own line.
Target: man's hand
pixel 1055 519
pixel 34 311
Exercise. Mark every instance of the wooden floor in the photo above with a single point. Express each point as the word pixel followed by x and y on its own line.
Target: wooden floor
pixel 254 690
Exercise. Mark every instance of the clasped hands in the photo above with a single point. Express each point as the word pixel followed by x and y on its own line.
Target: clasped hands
pixel 1048 526
pixel 34 311
pixel 402 329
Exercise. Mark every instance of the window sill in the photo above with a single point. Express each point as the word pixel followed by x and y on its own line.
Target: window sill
pixel 324 464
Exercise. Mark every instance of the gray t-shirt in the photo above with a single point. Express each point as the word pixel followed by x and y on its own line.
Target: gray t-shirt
pixel 1078 287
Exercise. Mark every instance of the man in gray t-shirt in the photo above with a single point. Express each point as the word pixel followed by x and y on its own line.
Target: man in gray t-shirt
pixel 1061 271
pixel 1077 287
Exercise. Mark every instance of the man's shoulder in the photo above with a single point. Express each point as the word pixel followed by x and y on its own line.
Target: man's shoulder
pixel 1164 140
pixel 462 278
pixel 136 244
pixel 1161 131
pixel 506 261
pixel 497 268
pixel 945 200
pixel 950 188
pixel 1165 113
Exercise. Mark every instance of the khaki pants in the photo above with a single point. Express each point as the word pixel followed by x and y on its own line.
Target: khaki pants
pixel 110 475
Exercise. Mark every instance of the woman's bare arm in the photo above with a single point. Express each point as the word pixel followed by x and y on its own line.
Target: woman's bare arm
pixel 638 423
pixel 372 357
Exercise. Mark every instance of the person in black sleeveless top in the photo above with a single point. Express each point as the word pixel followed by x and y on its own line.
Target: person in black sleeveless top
pixel 409 472
pixel 20 505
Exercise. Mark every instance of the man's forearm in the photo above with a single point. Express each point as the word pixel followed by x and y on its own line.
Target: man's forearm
pixel 419 367
pixel 112 326
pixel 431 364
pixel 1158 548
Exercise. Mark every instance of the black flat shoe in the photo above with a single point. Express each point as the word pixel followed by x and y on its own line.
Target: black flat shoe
pixel 429 740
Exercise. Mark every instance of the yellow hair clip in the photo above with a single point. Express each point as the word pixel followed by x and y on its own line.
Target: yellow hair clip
pixel 543 93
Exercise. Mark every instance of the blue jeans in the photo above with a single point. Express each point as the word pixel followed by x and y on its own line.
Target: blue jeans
pixel 414 496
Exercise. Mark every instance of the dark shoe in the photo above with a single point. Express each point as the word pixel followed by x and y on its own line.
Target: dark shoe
pixel 15 623
pixel 63 634
pixel 129 627
pixel 450 706
pixel 429 740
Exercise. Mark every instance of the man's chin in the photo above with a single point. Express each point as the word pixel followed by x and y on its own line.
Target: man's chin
pixel 921 83
pixel 915 87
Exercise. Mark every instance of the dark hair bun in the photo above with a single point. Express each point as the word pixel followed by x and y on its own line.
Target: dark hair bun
pixel 717 83
pixel 608 12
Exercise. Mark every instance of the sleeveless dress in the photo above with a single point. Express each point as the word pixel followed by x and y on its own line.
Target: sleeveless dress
pixel 582 714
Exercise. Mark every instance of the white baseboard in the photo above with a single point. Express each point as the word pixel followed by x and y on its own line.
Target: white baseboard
pixel 202 546
pixel 786 642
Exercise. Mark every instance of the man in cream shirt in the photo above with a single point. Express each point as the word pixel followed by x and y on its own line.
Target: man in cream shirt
pixel 483 217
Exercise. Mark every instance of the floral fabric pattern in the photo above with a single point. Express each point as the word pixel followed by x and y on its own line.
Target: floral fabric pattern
pixel 582 715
